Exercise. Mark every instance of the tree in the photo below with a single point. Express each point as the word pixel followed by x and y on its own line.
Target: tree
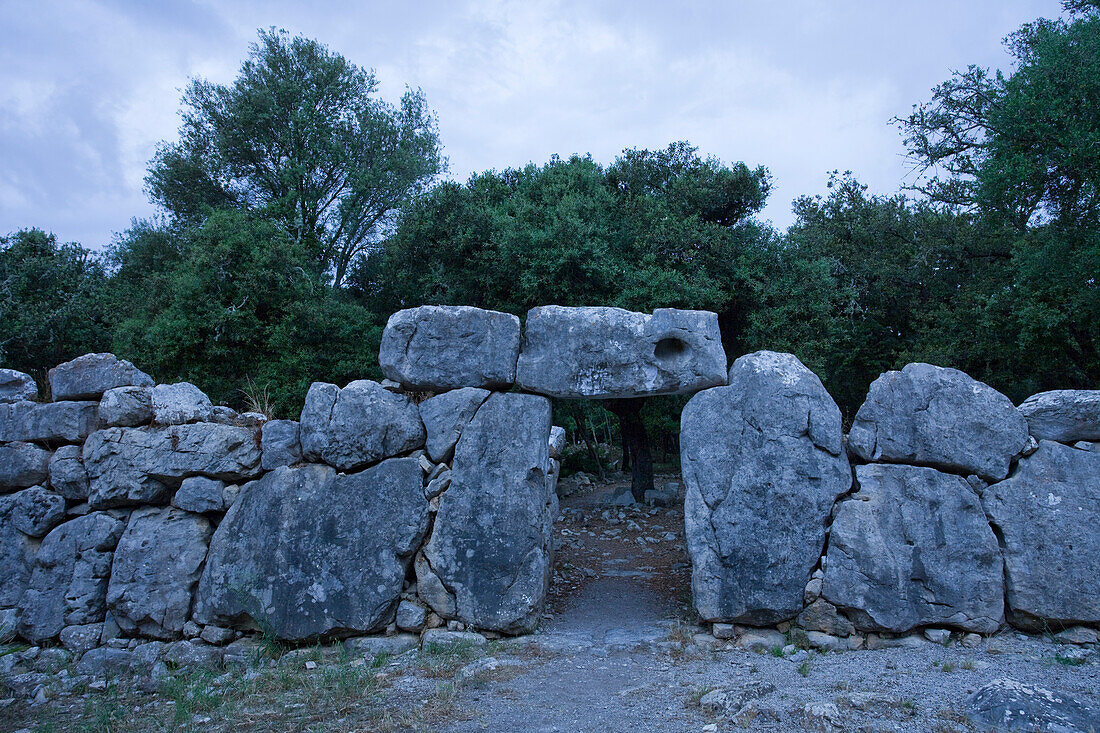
pixel 51 301
pixel 300 137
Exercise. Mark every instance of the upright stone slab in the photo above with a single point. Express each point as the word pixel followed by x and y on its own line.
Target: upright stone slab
pixel 1064 415
pixel 52 422
pixel 445 416
pixel 912 548
pixel 67 474
pixel 17 552
pixel 22 465
pixel 89 376
pixel 607 353
pixel 932 416
pixel 156 569
pixel 440 347
pixel 68 585
pixel 361 424
pixel 17 386
pixel 304 552
pixel 491 543
pixel 1047 514
pixel 281 444
pixel 763 462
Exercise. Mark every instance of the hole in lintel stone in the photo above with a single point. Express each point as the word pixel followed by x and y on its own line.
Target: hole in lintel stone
pixel 669 348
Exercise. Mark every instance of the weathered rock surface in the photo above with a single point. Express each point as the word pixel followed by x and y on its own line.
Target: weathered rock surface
pixel 932 416
pixel 17 386
pixel 22 465
pixel 499 489
pixel 200 494
pixel 281 444
pixel 17 552
pixel 67 474
pixel 362 423
pixel 156 568
pixel 89 376
pixel 438 347
pixel 1007 705
pixel 131 465
pixel 557 441
pixel 445 416
pixel 308 552
pixel 763 462
pixel 912 547
pixel 68 586
pixel 598 352
pixel 126 407
pixel 1064 415
pixel 35 511
pixel 1047 514
pixel 180 403
pixel 51 422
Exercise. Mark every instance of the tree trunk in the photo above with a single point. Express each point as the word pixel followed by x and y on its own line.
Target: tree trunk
pixel 629 412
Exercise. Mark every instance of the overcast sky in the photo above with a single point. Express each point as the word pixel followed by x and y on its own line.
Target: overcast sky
pixel 88 88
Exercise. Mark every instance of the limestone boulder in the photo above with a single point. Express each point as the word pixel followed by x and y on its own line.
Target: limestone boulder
pixel 557 441
pixel 499 489
pixel 1064 415
pixel 931 416
pixel 136 465
pixel 200 494
pixel 126 407
pixel 156 568
pixel 445 416
pixel 22 465
pixel 1047 514
pixel 17 386
pixel 306 553
pixel 361 424
pixel 606 353
pixel 68 585
pixel 281 444
pixel 1008 705
pixel 440 347
pixel 180 403
pixel 35 511
pixel 89 376
pixel 17 552
pixel 912 547
pixel 67 474
pixel 762 462
pixel 51 422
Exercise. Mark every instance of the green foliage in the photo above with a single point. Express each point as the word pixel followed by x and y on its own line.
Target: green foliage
pixel 301 137
pixel 50 302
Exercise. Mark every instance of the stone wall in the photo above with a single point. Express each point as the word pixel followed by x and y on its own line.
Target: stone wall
pixel 135 510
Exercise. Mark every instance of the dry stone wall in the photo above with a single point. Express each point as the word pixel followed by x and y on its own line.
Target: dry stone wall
pixel 131 510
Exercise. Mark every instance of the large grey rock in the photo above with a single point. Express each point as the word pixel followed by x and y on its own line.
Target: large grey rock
pixel 358 425
pixel 35 511
pixel 156 569
pixel 22 465
pixel 931 416
pixel 438 347
pixel 200 494
pixel 305 552
pixel 445 416
pixel 1047 514
pixel 601 352
pixel 1008 705
pixel 180 403
pixel 126 407
pixel 763 462
pixel 67 474
pixel 1064 415
pixel 912 547
pixel 17 552
pixel 281 443
pixel 132 465
pixel 89 376
pixel 51 422
pixel 491 543
pixel 68 586
pixel 17 386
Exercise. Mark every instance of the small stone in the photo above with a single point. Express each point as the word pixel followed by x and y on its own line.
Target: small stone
pixel 1077 635
pixel 823 616
pixel 760 640
pixel 729 700
pixel 813 590
pixel 126 407
pixel 372 646
pixel 723 631
pixel 823 642
pixel 311 665
pixel 411 616
pixel 79 639
pixel 17 386
pixel 193 654
pixel 200 495
pixel 445 639
pixel 937 636
pixel 822 716
pixel 971 641
pixel 217 635
pixel 191 630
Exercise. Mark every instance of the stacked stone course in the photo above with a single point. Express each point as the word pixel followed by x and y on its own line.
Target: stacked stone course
pixel 135 511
